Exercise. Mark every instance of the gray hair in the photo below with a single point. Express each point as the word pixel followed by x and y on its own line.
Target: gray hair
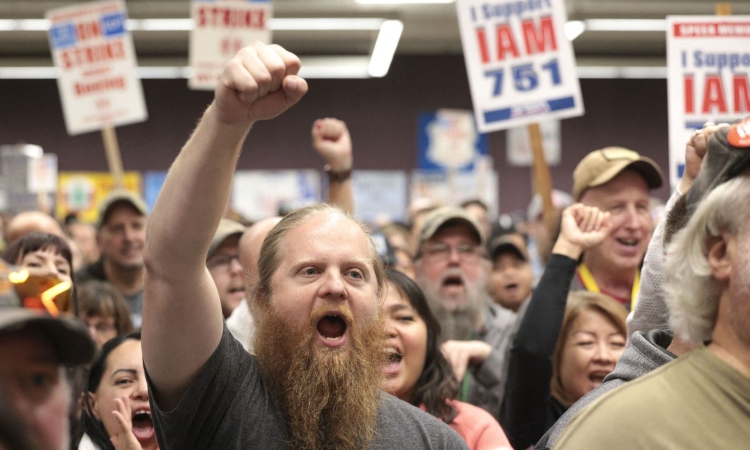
pixel 692 293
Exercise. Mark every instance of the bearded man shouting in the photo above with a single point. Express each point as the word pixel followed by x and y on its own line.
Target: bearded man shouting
pixel 319 336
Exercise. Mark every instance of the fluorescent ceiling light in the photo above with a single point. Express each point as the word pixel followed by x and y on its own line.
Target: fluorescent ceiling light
pixel 626 25
pixel 621 72
pixel 402 2
pixel 277 24
pixel 24 24
pixel 573 29
pixel 376 65
pixel 385 47
pixel 160 24
pixel 325 24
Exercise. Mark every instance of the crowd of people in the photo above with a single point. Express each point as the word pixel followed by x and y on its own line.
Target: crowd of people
pixel 184 329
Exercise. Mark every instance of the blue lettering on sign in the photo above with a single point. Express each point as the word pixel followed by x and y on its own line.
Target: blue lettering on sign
pixel 63 35
pixel 113 24
pixel 557 104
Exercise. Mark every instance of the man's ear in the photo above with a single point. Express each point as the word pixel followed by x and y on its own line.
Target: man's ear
pixel 719 257
pixel 92 403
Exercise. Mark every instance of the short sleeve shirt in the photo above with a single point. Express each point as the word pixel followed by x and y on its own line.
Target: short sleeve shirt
pixel 228 406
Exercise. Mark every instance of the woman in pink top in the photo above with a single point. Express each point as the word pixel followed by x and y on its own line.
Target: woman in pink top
pixel 418 373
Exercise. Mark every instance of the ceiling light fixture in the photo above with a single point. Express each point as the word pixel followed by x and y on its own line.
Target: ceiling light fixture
pixel 626 25
pixel 385 48
pixel 403 2
pixel 275 24
pixel 573 29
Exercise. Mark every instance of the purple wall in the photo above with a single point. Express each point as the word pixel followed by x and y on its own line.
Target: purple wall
pixel 381 114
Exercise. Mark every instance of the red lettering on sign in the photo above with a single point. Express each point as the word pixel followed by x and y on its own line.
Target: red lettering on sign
pixel 88 30
pixel 231 18
pixel 713 97
pixel 81 56
pixel 741 94
pixel 537 40
pixel 482 38
pixel 689 95
pixel 505 42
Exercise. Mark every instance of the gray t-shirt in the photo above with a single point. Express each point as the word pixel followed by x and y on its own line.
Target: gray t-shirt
pixel 228 407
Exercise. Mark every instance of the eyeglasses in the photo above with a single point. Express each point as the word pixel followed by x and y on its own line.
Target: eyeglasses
pixel 221 262
pixel 440 251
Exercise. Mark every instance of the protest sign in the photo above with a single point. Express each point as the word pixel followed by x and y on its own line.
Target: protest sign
pixel 81 192
pixel 448 139
pixel 708 59
pixel 520 64
pixel 223 27
pixel 98 81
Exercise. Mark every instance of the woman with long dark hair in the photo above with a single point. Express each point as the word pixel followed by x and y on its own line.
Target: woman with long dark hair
pixel 116 411
pixel 418 373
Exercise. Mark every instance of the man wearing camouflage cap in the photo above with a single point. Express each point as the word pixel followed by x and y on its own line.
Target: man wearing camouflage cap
pixel 453 272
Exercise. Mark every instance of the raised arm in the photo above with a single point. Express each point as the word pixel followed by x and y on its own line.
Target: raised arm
pixel 651 312
pixel 182 320
pixel 527 389
pixel 330 138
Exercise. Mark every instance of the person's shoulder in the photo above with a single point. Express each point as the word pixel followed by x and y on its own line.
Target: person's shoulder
pixel 478 427
pixel 406 426
pixel 501 317
pixel 470 412
pixel 626 407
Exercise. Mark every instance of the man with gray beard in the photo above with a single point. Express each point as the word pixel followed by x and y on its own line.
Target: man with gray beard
pixel 452 270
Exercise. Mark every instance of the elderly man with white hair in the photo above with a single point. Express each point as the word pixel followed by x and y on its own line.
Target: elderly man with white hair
pixel 701 400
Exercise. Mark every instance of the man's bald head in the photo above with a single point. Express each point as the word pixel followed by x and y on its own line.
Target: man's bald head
pixel 28 221
pixel 250 244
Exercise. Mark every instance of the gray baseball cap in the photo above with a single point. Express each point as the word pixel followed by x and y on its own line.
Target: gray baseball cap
pixel 116 197
pixel 448 215
pixel 225 229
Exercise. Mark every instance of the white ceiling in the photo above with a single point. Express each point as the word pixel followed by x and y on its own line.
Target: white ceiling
pixel 428 29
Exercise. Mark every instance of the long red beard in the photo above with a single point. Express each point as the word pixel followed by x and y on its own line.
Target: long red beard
pixel 330 397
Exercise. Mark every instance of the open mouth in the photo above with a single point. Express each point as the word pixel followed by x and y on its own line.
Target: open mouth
pixel 392 355
pixel 628 242
pixel 453 281
pixel 511 287
pixel 143 426
pixel 331 327
pixel 236 290
pixel 597 377
pixel 393 361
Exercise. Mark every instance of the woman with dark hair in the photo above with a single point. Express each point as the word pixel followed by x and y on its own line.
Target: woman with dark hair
pixel 565 343
pixel 42 254
pixel 48 259
pixel 116 411
pixel 418 373
pixel 104 311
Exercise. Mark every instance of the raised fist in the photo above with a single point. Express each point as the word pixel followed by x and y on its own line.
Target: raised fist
pixel 331 139
pixel 259 83
pixel 584 226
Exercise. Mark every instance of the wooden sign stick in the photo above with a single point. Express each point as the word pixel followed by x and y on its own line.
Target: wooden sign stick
pixel 723 9
pixel 542 177
pixel 114 159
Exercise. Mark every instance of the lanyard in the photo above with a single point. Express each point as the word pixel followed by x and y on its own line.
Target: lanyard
pixel 590 283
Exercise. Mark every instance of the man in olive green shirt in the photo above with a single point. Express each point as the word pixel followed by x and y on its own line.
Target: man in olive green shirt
pixel 701 400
